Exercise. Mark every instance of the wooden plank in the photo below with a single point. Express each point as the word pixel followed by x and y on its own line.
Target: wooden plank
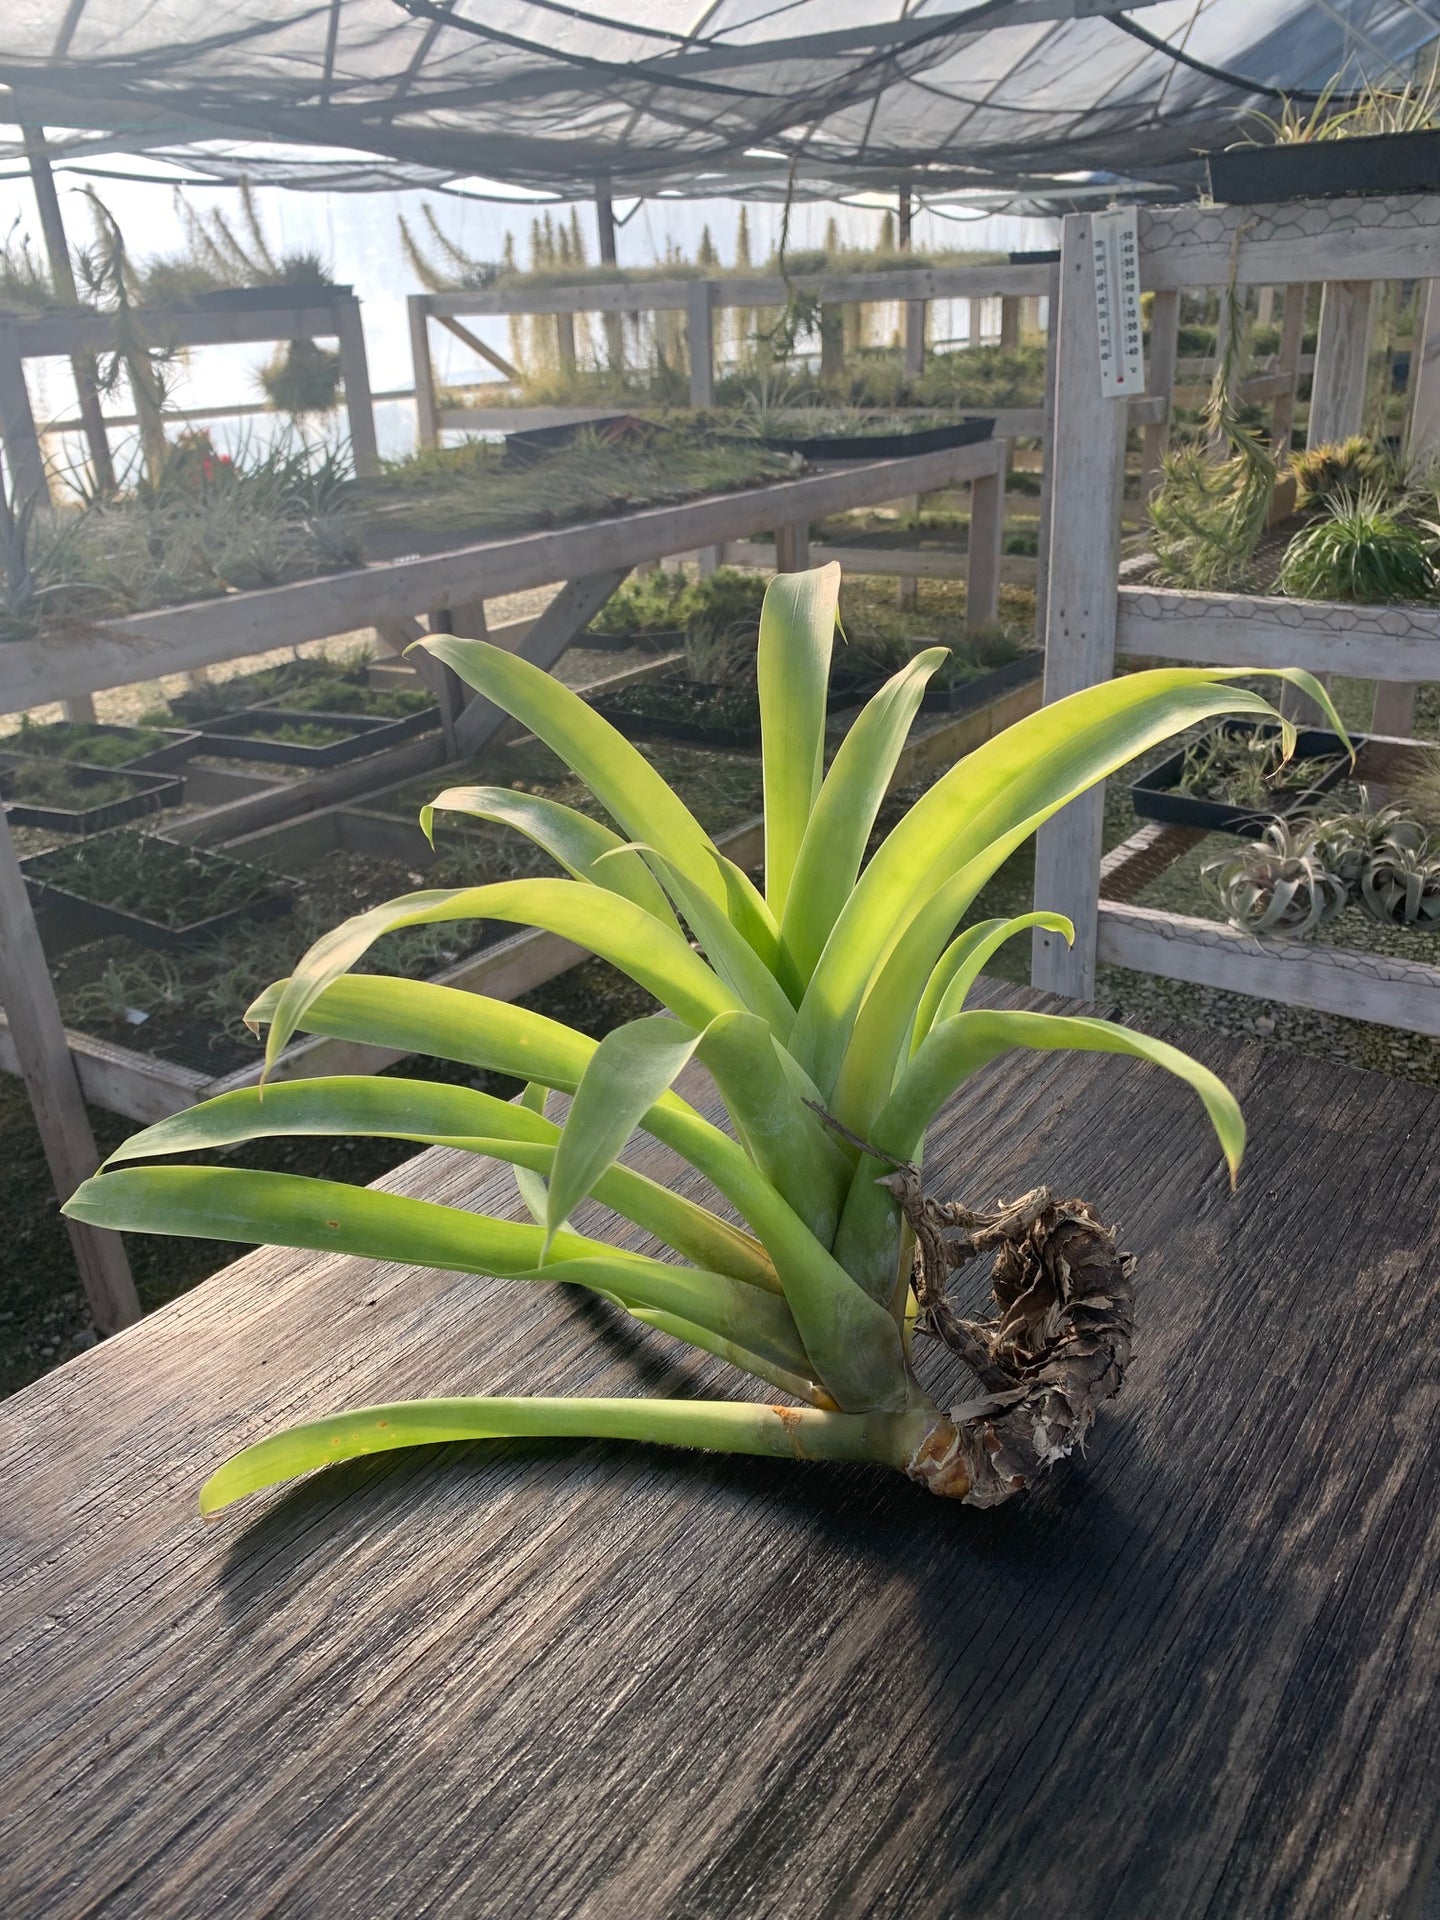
pixel 58 334
pixel 792 547
pixel 929 563
pixel 1298 973
pixel 521 1679
pixel 567 616
pixel 700 337
pixel 1342 361
pixel 913 346
pixel 355 372
pixel 1395 237
pixel 478 346
pixel 1422 433
pixel 17 423
pixel 1160 379
pixel 1009 321
pixel 37 1037
pixel 427 422
pixel 1253 630
pixel 1047 490
pixel 1087 473
pixel 1288 360
pixel 174 639
pixel 983 551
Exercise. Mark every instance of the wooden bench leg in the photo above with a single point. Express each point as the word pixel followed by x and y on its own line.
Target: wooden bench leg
pixel 48 1071
pixel 567 615
pixel 792 548
pixel 449 690
pixel 987 530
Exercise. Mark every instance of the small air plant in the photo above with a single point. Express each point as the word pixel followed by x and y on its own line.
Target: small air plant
pixel 1345 843
pixel 831 1013
pixel 1349 467
pixel 1276 884
pixel 1362 551
pixel 1400 887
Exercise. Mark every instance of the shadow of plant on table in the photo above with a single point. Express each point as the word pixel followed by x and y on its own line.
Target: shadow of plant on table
pixel 830 1011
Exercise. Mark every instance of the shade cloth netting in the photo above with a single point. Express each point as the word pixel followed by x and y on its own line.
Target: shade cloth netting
pixel 714 96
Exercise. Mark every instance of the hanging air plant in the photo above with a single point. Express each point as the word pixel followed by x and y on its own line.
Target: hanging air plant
pixel 302 378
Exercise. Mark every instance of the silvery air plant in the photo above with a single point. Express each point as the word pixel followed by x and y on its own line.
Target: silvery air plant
pixel 831 1012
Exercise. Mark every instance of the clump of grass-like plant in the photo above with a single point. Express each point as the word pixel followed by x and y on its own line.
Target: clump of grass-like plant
pixel 1362 550
pixel 1338 467
pixel 832 1012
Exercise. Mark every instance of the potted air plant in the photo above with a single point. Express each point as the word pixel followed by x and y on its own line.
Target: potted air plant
pixel 1378 140
pixel 831 1012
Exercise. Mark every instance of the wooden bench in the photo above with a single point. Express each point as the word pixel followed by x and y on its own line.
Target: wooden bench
pixel 1195 1675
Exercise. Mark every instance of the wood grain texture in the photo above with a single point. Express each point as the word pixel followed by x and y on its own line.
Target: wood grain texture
pixel 1193 1677
pixel 1388 237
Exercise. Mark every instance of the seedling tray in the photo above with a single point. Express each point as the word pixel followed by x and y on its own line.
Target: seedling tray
pixel 1328 169
pixel 985 687
pixel 178 745
pixel 528 444
pixel 887 446
pixel 89 919
pixel 364 734
pixel 148 793
pixel 1156 797
pixel 669 641
pixel 663 726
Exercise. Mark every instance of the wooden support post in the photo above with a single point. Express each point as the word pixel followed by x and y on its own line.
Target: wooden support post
pixel 427 416
pixel 913 311
pixel 700 335
pixel 1009 319
pixel 1047 441
pixel 1265 307
pixel 1287 360
pixel 355 372
pixel 907 585
pixel 62 277
pixel 1342 358
pixel 567 615
pixel 605 231
pixel 1422 430
pixel 449 690
pixel 1160 380
pixel 832 343
pixel 17 424
pixel 1087 458
pixel 987 531
pixel 38 1035
pixel 976 334
pixel 565 341
pixel 792 547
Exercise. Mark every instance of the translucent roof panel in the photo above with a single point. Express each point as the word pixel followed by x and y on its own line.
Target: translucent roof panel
pixel 714 96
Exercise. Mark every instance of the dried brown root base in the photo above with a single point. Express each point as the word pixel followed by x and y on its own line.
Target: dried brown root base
pixel 1059 1345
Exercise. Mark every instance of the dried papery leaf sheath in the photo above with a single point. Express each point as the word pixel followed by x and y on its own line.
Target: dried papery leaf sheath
pixel 830 1011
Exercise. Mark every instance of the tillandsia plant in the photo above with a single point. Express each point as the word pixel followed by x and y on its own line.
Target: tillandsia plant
pixel 831 1012
pixel 1276 884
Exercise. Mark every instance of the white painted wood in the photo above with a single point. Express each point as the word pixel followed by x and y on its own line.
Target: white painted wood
pixel 478 346
pixel 987 538
pixel 427 422
pixel 1299 973
pixel 1009 320
pixel 1290 361
pixel 1047 442
pixel 176 639
pixel 1422 435
pixel 1342 360
pixel 315 317
pixel 913 348
pixel 1394 709
pixel 1391 238
pixel 1393 643
pixel 1160 381
pixel 930 563
pixel 43 1058
pixel 1087 475
pixel 355 372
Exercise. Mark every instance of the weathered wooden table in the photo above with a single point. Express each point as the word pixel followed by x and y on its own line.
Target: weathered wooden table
pixel 1195 1676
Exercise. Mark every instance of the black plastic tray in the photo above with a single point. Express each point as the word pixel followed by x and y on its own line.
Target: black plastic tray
pixel 178 746
pixel 149 793
pixel 644 726
pixel 887 446
pixel 667 642
pixel 985 687
pixel 366 734
pixel 528 444
pixel 1154 796
pixel 1328 169
pixel 95 919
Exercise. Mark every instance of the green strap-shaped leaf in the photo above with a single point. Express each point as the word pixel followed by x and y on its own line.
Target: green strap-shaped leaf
pixel 616 929
pixel 287 1210
pixel 965 959
pixel 433 1114
pixel 620 777
pixel 839 827
pixel 1018 778
pixel 719 1426
pixel 727 950
pixel 868 1240
pixel 631 1068
pixel 586 849
pixel 797 635
pixel 529 1184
